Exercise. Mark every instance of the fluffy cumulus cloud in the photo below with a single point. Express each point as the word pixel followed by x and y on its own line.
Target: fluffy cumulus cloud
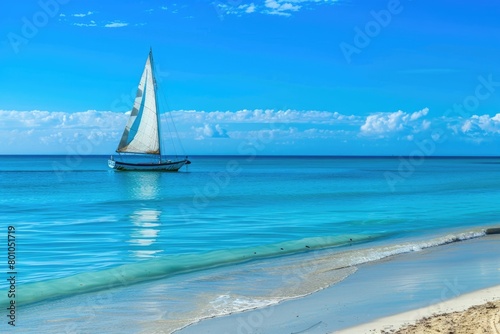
pixel 481 125
pixel 386 124
pixel 210 131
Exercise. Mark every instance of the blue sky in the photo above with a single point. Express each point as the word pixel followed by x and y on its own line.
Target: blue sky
pixel 329 77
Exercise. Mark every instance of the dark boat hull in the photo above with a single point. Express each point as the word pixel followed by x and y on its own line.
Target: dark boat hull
pixel 168 166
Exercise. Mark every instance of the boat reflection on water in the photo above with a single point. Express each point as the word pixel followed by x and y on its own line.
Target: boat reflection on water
pixel 142 188
pixel 145 232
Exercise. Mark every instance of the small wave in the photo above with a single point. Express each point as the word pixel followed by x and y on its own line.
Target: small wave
pixel 128 274
pixel 378 253
pixel 172 265
pixel 296 278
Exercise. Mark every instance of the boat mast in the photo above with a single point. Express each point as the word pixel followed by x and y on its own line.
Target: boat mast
pixel 156 100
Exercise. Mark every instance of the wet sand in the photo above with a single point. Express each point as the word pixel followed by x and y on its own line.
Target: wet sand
pixel 398 285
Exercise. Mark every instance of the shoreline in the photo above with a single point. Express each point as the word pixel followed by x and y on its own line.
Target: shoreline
pixel 443 310
pixel 380 290
pixel 440 316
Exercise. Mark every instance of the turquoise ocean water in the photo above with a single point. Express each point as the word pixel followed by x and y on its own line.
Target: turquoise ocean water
pixel 153 252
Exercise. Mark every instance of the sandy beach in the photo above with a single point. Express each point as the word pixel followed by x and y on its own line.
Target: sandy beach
pixel 477 312
pixel 387 295
pixel 477 319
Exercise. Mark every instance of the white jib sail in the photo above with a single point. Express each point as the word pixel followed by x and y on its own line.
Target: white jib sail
pixel 141 132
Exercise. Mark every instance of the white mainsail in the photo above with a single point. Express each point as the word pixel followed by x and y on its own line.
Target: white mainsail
pixel 141 133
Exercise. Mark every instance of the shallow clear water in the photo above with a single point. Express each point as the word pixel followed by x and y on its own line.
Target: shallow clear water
pixel 73 216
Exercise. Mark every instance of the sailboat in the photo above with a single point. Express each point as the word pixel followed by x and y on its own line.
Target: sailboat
pixel 141 140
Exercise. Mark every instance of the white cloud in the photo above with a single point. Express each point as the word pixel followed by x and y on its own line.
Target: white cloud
pixel 270 116
pixel 43 131
pixel 58 132
pixel 210 131
pixel 250 8
pixel 116 24
pixel 269 7
pixel 418 114
pixel 83 14
pixel 272 4
pixel 467 126
pixel 277 7
pixel 60 129
pixel 481 125
pixel 382 124
pixel 266 134
pixel 44 119
pixel 91 24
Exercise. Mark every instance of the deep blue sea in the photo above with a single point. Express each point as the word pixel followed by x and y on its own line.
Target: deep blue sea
pixel 226 234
